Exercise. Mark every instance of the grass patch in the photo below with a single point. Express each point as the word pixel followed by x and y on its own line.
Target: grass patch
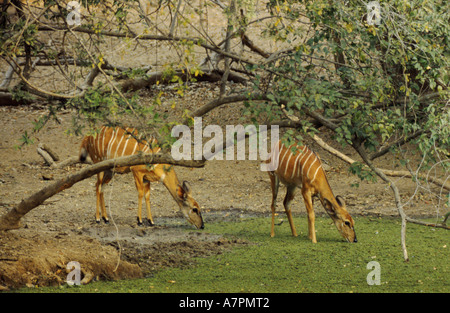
pixel 287 264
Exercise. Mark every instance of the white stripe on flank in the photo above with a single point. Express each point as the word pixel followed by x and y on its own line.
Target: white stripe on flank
pixel 97 146
pixel 310 153
pixel 299 162
pixel 127 140
pixel 307 173
pixel 305 151
pixel 94 146
pixel 316 173
pixel 129 136
pixel 285 152
pixel 103 152
pixel 114 143
pixel 110 144
pixel 162 176
pixel 287 163
pixel 297 175
pixel 118 145
pixel 135 146
pixel 98 152
pixel 296 162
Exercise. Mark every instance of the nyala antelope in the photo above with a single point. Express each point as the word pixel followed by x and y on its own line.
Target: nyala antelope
pixel 115 142
pixel 298 166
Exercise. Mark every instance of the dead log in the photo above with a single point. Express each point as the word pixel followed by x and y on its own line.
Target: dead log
pixel 163 78
pixel 51 158
pixel 6 99
pixel 67 162
pixel 52 153
pixel 48 157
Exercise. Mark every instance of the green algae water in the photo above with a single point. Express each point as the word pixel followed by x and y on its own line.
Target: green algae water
pixel 286 264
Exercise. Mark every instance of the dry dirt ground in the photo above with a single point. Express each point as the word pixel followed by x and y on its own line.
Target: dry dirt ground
pixel 63 229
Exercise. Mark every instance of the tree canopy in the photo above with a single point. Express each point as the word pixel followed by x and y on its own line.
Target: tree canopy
pixel 379 86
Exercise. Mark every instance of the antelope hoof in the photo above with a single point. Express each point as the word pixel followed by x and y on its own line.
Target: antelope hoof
pixel 104 220
pixel 147 222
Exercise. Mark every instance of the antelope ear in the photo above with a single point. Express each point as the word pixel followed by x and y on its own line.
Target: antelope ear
pixel 181 192
pixel 185 186
pixel 329 208
pixel 340 201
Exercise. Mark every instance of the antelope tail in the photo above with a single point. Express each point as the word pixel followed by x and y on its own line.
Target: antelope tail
pixel 83 149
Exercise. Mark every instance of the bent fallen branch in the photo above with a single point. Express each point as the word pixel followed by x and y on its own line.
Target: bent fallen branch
pixel 47 154
pixel 438 182
pixel 443 224
pixel 52 159
pixel 162 78
pixel 11 220
pixel 225 100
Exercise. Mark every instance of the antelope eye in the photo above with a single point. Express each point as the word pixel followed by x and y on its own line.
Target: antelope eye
pixel 347 223
pixel 195 210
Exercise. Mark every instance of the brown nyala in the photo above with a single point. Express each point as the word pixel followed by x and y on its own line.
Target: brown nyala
pixel 110 143
pixel 299 166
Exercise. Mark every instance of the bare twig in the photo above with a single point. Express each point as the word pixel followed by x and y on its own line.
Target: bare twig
pixel 227 50
pixel 52 159
pixel 174 19
pixel 358 147
pixel 230 99
pixel 246 41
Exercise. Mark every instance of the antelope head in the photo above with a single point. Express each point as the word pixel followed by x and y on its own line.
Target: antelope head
pixel 341 218
pixel 189 207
